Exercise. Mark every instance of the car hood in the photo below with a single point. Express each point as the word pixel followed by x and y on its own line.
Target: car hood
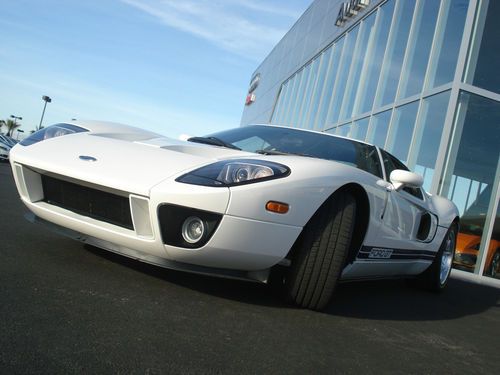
pixel 127 163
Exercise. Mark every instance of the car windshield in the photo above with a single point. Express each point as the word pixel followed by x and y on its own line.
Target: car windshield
pixel 277 140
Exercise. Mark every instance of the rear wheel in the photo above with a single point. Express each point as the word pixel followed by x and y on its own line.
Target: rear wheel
pixel 436 276
pixel 320 253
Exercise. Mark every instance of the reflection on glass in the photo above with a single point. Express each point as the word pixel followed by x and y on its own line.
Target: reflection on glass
pixel 327 89
pixel 367 29
pixel 373 60
pixel 450 30
pixel 344 130
pixel 378 128
pixel 341 79
pixel 428 136
pixel 278 109
pixel 419 48
pixel 396 47
pixel 299 95
pixel 318 90
pixel 360 128
pixel 471 169
pixel 402 130
pixel 492 265
pixel 311 83
pixel 295 81
pixel 483 57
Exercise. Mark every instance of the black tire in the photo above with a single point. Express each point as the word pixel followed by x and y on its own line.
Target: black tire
pixel 319 255
pixel 431 279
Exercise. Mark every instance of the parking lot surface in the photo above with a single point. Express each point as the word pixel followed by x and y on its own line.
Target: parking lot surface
pixel 70 308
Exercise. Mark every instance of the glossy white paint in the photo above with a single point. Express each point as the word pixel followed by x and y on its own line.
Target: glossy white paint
pixel 143 166
pixel 401 178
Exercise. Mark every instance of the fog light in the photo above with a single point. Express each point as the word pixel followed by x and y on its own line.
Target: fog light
pixel 193 229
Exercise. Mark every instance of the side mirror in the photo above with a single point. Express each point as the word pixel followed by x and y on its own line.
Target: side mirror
pixel 401 179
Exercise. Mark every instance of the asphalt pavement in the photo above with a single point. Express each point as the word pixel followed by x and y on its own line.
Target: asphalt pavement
pixel 69 308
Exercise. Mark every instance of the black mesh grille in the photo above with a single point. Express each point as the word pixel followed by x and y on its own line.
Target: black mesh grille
pixel 86 201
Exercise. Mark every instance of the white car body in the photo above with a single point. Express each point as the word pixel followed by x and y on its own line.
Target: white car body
pixel 249 240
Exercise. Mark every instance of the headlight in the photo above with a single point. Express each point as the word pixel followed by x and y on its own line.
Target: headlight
pixel 52 131
pixel 235 172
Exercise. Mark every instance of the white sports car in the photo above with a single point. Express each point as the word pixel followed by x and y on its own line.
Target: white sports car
pixel 300 208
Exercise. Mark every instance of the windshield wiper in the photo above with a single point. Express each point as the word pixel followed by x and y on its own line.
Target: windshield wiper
pixel 277 152
pixel 271 152
pixel 214 141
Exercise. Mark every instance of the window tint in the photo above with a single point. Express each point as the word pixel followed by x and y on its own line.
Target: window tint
pixel 391 164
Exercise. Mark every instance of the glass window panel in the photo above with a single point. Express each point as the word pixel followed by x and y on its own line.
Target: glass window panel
pixel 278 109
pixel 428 136
pixel 360 128
pixel 379 125
pixel 341 79
pixel 366 29
pixel 402 130
pixel 373 60
pixel 327 90
pixel 393 60
pixel 286 102
pixel 483 64
pixel 492 265
pixel 318 88
pixel 311 82
pixel 419 48
pixel 447 42
pixel 293 98
pixel 344 130
pixel 473 160
pixel 304 75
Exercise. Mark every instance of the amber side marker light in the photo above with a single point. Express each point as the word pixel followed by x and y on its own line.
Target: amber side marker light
pixel 278 207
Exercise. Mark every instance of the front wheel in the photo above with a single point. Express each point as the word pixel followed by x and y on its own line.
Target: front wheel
pixel 320 253
pixel 437 275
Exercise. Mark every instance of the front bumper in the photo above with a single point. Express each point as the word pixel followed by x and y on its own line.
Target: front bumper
pixel 238 243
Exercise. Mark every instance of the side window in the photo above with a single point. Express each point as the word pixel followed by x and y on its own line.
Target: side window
pixel 252 144
pixel 370 162
pixel 390 164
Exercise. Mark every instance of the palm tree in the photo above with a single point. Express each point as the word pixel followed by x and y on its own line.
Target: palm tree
pixel 11 125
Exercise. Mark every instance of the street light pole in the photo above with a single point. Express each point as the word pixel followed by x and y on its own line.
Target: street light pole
pixel 19 131
pixel 46 99
pixel 16 118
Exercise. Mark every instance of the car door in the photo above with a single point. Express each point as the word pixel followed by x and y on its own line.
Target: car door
pixel 406 221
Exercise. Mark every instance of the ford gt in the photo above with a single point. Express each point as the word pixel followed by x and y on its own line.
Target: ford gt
pixel 300 209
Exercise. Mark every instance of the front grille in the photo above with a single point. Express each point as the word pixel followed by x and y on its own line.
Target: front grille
pixel 97 204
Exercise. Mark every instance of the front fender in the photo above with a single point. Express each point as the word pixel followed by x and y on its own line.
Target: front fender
pixel 310 183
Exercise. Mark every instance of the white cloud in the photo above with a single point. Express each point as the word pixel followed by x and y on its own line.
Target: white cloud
pixel 227 24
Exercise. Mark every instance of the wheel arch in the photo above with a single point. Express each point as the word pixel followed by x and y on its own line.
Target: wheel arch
pixel 360 225
pixel 362 218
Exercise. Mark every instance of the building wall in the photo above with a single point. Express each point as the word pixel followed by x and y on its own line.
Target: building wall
pixel 417 78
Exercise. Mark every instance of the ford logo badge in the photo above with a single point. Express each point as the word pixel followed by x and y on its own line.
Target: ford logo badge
pixel 87 158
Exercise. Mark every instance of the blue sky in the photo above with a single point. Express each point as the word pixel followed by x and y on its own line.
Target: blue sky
pixel 171 66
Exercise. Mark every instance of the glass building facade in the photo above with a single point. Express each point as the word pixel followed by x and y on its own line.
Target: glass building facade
pixel 415 77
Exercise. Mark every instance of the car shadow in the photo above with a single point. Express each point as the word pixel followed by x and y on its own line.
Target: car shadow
pixel 396 300
pixel 375 300
pixel 237 290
